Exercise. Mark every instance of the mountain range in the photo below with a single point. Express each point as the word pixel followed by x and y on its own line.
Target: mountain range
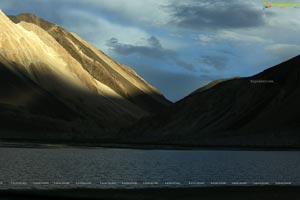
pixel 56 86
pixel 261 110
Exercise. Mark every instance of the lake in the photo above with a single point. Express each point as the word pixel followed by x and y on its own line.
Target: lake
pixel 25 168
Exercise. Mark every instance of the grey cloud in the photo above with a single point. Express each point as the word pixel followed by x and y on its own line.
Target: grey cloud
pixel 218 62
pixel 154 42
pixel 199 15
pixel 154 50
pixel 185 65
pixel 283 51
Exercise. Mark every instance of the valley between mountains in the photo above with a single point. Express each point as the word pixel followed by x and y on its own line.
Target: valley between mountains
pixel 55 86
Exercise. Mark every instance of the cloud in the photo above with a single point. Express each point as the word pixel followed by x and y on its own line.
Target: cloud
pixel 146 12
pixel 154 42
pixel 230 36
pixel 238 37
pixel 152 49
pixel 185 65
pixel 204 39
pixel 97 29
pixel 215 14
pixel 284 51
pixel 218 62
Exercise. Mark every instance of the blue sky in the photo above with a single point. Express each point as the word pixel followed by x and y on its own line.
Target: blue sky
pixel 178 46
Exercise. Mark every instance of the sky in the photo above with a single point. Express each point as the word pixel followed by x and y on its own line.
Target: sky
pixel 178 46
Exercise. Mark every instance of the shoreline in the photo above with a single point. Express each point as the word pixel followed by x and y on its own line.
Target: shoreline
pixel 56 145
pixel 207 193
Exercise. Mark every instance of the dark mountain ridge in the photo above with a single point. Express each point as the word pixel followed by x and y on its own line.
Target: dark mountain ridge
pixel 261 110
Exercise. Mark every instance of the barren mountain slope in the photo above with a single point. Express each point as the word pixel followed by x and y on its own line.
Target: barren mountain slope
pixel 262 110
pixel 120 78
pixel 46 76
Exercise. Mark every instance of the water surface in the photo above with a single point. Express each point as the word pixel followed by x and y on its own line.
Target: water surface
pixel 119 168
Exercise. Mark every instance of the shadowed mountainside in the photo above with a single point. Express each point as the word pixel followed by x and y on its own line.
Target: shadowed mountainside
pixel 120 78
pixel 262 110
pixel 54 81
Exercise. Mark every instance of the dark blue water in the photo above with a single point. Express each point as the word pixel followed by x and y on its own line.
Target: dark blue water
pixel 111 168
